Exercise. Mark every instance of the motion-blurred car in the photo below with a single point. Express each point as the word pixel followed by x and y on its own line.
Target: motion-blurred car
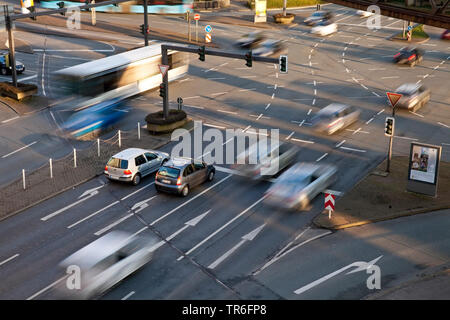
pixel 414 96
pixel 299 185
pixel 364 14
pixel 324 28
pixel 250 40
pixel 131 165
pixel 5 66
pixel 409 56
pixel 180 175
pixel 105 262
pixel 254 165
pixel 269 48
pixel 334 117
pixel 446 35
pixel 318 16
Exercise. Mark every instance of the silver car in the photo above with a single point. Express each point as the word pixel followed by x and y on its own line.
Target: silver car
pixel 132 164
pixel 414 96
pixel 269 48
pixel 299 185
pixel 257 166
pixel 334 117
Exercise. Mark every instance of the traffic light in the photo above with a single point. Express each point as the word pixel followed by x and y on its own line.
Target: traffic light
pixel 201 53
pixel 162 90
pixel 248 58
pixel 32 10
pixel 389 127
pixel 61 6
pixel 283 64
pixel 143 30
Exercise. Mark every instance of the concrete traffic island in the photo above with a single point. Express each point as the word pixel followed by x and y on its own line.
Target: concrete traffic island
pixel 280 18
pixel 418 35
pixel 18 93
pixel 377 198
pixel 156 123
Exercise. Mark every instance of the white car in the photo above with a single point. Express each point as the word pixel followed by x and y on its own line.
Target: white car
pixel 324 28
pixel 364 14
pixel 334 117
pixel 268 48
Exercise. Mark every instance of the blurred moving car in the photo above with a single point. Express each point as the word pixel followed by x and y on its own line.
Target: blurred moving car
pixel 5 66
pixel 132 164
pixel 250 40
pixel 414 96
pixel 324 28
pixel 299 185
pixel 409 56
pixel 334 117
pixel 180 175
pixel 318 16
pixel 364 14
pixel 446 35
pixel 257 166
pixel 106 261
pixel 269 48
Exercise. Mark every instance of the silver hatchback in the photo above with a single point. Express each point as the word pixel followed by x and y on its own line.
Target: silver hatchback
pixel 334 117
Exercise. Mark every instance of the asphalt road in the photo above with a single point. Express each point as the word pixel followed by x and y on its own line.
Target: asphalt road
pixel 352 66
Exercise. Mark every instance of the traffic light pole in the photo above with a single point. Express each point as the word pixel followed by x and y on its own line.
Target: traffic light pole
pixel 165 61
pixel 145 23
pixel 12 58
pixel 391 139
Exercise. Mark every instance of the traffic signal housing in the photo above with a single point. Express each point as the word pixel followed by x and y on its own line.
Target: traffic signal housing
pixel 143 30
pixel 283 64
pixel 162 90
pixel 61 6
pixel 389 127
pixel 201 53
pixel 32 10
pixel 248 58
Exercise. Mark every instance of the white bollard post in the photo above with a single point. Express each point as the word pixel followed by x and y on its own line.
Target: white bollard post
pixel 120 141
pixel 74 157
pixel 51 169
pixel 23 178
pixel 98 147
pixel 139 131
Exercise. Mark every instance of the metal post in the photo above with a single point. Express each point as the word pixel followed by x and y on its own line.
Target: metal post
pixel 189 25
pixel 389 155
pixel 196 30
pixel 51 168
pixel 74 157
pixel 120 140
pixel 23 179
pixel 145 23
pixel 12 59
pixel 404 28
pixel 93 16
pixel 165 61
pixel 139 131
pixel 98 147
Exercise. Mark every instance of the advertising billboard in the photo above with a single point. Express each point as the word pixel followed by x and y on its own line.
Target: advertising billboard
pixel 260 10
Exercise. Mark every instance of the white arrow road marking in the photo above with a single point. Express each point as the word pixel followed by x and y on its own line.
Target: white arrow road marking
pixel 361 265
pixel 138 207
pixel 248 237
pixel 84 196
pixel 190 223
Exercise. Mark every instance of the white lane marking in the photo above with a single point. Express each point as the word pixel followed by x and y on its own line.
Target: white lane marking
pixel 194 97
pixel 357 130
pixel 112 225
pixel 216 78
pixel 139 190
pixel 315 92
pixel 429 44
pixel 93 214
pixel 313 102
pixel 376 94
pixel 442 124
pixel 20 149
pixel 246 128
pixel 213 126
pixel 370 120
pixel 301 123
pixel 9 259
pixel 348 71
pixel 245 77
pixel 11 119
pixel 390 77
pixel 406 138
pixel 128 295
pixel 219 93
pixel 380 112
pixel 305 141
pixel 46 288
pixel 377 69
pixel 309 111
pixel 352 149
pixel 267 107
pixel 416 114
pixel 28 78
pixel 72 50
pixel 273 95
pixel 340 143
pixel 363 86
pixel 225 111
pixel 259 117
pixel 360 131
pixel 247 89
pixel 43 74
pixel 290 135
pixel 221 228
pixel 323 156
pixel 190 200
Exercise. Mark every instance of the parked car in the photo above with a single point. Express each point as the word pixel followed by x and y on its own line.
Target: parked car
pixel 269 48
pixel 414 96
pixel 105 262
pixel 318 16
pixel 250 40
pixel 334 117
pixel 180 175
pixel 132 164
pixel 5 66
pixel 446 35
pixel 254 165
pixel 409 56
pixel 364 13
pixel 324 28
pixel 299 185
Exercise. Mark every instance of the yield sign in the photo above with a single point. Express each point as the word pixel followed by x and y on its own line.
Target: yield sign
pixel 329 201
pixel 163 68
pixel 393 98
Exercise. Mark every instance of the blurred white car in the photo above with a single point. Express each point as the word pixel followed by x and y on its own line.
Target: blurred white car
pixel 334 117
pixel 268 48
pixel 364 14
pixel 318 16
pixel 324 28
pixel 250 40
pixel 299 185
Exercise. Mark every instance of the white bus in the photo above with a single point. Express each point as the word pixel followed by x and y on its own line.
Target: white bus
pixel 119 76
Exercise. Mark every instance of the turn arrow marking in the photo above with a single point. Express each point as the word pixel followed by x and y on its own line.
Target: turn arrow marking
pixel 141 205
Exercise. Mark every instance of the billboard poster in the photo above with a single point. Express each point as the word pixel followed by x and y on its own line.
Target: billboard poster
pixel 260 10
pixel 424 160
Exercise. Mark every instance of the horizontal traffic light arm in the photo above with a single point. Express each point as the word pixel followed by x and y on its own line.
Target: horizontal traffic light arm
pixel 53 11
pixel 213 52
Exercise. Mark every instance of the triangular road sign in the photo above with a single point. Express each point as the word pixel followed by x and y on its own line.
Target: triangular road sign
pixel 163 68
pixel 393 98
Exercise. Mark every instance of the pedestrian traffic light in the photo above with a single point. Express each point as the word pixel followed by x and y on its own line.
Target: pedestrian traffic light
pixel 32 10
pixel 162 90
pixel 143 30
pixel 201 53
pixel 283 64
pixel 389 127
pixel 248 58
pixel 61 6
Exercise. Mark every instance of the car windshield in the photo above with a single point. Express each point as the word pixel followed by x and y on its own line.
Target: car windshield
pixel 317 14
pixel 299 180
pixel 169 172
pixel 118 163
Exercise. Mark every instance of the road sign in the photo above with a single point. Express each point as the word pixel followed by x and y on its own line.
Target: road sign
pixel 208 28
pixel 163 68
pixel 329 201
pixel 410 28
pixel 393 98
pixel 180 103
pixel 196 16
pixel 208 37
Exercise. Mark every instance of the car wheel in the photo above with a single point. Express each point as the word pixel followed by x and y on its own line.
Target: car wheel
pixel 164 161
pixel 211 176
pixel 136 179
pixel 185 191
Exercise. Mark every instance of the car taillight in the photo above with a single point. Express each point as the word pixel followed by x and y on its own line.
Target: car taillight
pixel 398 54
pixel 127 172
pixel 412 57
pixel 334 122
pixel 106 168
pixel 179 181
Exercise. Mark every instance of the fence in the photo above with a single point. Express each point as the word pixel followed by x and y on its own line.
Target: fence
pixel 75 168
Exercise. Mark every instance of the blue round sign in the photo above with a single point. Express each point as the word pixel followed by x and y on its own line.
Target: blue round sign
pixel 409 28
pixel 208 28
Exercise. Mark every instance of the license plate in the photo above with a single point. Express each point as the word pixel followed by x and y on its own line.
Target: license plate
pixel 166 181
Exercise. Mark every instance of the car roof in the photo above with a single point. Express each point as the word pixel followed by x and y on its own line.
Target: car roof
pixel 408 88
pixel 129 153
pixel 179 162
pixel 332 108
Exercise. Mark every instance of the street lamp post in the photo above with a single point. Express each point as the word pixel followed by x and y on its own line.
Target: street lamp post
pixel 145 23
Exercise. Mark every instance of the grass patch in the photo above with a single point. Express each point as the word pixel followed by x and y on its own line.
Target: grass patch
pixel 271 4
pixel 417 33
